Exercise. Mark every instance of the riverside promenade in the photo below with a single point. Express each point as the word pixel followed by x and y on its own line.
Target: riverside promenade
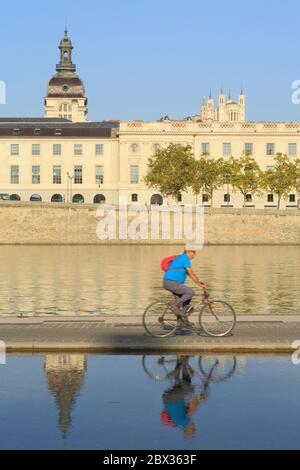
pixel 125 334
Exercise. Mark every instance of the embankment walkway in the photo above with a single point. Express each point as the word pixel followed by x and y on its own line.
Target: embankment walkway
pixel 125 334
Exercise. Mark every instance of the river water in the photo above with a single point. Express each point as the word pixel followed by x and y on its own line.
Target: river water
pixel 117 280
pixel 76 401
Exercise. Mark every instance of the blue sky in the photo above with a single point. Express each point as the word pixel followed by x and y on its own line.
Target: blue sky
pixel 141 59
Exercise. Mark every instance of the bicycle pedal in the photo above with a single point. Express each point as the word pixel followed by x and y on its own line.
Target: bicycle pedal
pixel 186 323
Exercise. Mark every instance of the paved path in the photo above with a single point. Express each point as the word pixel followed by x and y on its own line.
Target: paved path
pixel 125 334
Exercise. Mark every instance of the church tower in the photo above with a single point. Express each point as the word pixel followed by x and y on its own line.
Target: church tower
pixel 210 107
pixel 65 92
pixel 221 112
pixel 204 108
pixel 242 106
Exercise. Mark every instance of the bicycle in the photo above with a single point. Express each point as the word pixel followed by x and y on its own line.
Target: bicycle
pixel 215 317
pixel 210 369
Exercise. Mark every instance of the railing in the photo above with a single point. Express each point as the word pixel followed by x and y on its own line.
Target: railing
pixel 195 127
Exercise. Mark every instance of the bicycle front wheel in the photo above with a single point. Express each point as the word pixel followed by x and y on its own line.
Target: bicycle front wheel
pixel 217 318
pixel 160 320
pixel 217 368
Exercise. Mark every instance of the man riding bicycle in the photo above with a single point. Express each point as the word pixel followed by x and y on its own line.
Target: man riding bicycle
pixel 175 276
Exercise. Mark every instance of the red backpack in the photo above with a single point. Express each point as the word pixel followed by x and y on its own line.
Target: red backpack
pixel 165 419
pixel 166 262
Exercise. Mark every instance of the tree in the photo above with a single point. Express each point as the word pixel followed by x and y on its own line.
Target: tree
pixel 282 178
pixel 208 176
pixel 297 176
pixel 246 175
pixel 170 170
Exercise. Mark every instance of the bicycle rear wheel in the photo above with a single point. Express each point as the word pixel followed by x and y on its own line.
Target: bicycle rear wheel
pixel 159 367
pixel 217 318
pixel 160 320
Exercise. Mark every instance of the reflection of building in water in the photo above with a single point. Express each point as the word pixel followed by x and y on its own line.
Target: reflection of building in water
pixel 65 376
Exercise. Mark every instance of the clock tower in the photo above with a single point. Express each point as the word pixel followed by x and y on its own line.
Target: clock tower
pixel 65 92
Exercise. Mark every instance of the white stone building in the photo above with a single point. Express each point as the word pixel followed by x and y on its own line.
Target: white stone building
pixel 64 157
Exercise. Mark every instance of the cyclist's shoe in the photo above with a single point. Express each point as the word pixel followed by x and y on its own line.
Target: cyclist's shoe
pixel 185 321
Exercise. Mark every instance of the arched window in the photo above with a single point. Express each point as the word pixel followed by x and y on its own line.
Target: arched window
pixel 65 111
pixel 36 198
pixel 78 199
pixel 99 199
pixel 205 197
pixel 57 198
pixel 134 198
pixel 15 197
pixel 156 147
pixel 156 199
pixel 65 108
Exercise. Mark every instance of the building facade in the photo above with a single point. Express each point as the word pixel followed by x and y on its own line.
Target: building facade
pixel 52 159
pixel 138 140
pixel 63 157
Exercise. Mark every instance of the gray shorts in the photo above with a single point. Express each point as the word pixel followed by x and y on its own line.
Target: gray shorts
pixel 184 293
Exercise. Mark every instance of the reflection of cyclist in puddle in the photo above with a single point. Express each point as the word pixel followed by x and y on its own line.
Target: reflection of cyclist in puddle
pixel 180 401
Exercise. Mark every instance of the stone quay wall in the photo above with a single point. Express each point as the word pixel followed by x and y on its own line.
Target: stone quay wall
pixel 48 223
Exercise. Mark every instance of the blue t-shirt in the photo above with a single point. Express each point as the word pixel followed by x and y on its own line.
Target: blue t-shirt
pixel 177 411
pixel 179 275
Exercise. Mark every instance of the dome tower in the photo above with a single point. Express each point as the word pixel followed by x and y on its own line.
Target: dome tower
pixel 65 92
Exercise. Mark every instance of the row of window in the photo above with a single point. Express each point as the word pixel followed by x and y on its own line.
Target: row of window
pixel 134 148
pixel 78 149
pixel 248 148
pixel 98 198
pixel 56 149
pixel 270 198
pixel 57 174
pixel 155 199
pixel 78 174
pixel 205 149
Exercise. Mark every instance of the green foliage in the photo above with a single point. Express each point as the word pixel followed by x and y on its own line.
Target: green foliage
pixel 208 175
pixel 282 178
pixel 170 170
pixel 297 176
pixel 174 170
pixel 246 175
